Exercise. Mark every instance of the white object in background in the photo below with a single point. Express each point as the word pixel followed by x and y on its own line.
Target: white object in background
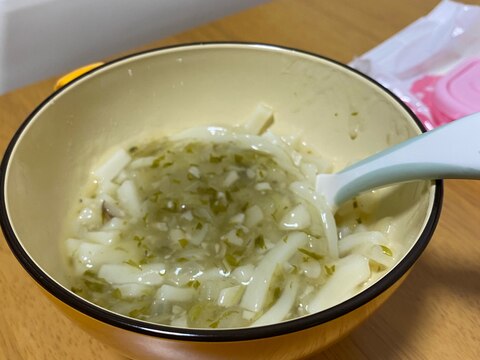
pixel 43 38
pixel 431 45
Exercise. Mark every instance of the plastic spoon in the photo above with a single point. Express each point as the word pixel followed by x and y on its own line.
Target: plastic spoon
pixel 451 151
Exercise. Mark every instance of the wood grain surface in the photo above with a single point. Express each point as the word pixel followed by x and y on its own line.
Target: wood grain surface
pixel 434 315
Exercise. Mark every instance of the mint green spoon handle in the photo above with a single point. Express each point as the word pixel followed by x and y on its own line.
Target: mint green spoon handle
pixel 451 151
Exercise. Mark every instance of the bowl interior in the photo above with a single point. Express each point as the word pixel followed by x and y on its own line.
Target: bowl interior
pixel 342 114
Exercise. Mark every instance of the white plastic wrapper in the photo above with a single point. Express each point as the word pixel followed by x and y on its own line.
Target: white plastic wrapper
pixel 432 45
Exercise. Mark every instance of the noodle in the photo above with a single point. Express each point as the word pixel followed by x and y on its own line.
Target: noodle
pixel 216 228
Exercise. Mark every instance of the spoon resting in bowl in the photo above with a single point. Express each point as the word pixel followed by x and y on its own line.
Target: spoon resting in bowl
pixel 451 151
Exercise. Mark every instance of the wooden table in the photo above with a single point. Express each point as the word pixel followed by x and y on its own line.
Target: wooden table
pixel 434 315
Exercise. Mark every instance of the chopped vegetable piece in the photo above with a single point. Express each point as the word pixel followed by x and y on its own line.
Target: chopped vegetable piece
pixel 260 242
pixel 194 283
pixel 231 177
pixel 216 159
pixel 386 250
pixel 231 260
pixel 183 242
pixel 157 161
pixel 312 254
pixel 330 269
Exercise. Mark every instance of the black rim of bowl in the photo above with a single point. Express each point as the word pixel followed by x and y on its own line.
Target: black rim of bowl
pixel 214 335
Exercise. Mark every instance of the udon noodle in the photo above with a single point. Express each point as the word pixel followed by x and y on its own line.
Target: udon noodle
pixel 218 227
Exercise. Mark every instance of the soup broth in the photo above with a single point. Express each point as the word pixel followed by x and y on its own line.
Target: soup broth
pixel 218 228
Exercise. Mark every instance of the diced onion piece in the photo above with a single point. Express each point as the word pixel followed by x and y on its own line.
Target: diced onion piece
pixel 263 186
pixel 253 216
pixel 102 237
pixel 199 235
pixel 350 272
pixel 161 226
pixel 256 292
pixel 151 274
pixel 130 291
pixel 194 171
pixel 260 120
pixel 187 215
pixel 112 167
pixel 311 269
pixel 296 219
pixel 172 293
pixel 230 296
pixel 282 306
pixel 129 198
pixel 232 238
pixel 243 274
pixel 177 234
pixel 237 219
pixel 231 177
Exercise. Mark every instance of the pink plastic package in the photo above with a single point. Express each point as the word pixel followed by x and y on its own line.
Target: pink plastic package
pixel 433 65
pixel 452 95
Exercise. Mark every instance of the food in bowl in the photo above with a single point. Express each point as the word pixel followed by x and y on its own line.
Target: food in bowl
pixel 344 114
pixel 218 227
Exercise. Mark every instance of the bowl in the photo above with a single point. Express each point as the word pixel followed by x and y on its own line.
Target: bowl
pixel 344 114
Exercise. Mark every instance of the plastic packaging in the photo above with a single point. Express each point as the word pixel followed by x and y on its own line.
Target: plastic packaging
pixel 433 65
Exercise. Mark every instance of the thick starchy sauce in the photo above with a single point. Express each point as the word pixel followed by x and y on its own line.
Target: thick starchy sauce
pixel 205 234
